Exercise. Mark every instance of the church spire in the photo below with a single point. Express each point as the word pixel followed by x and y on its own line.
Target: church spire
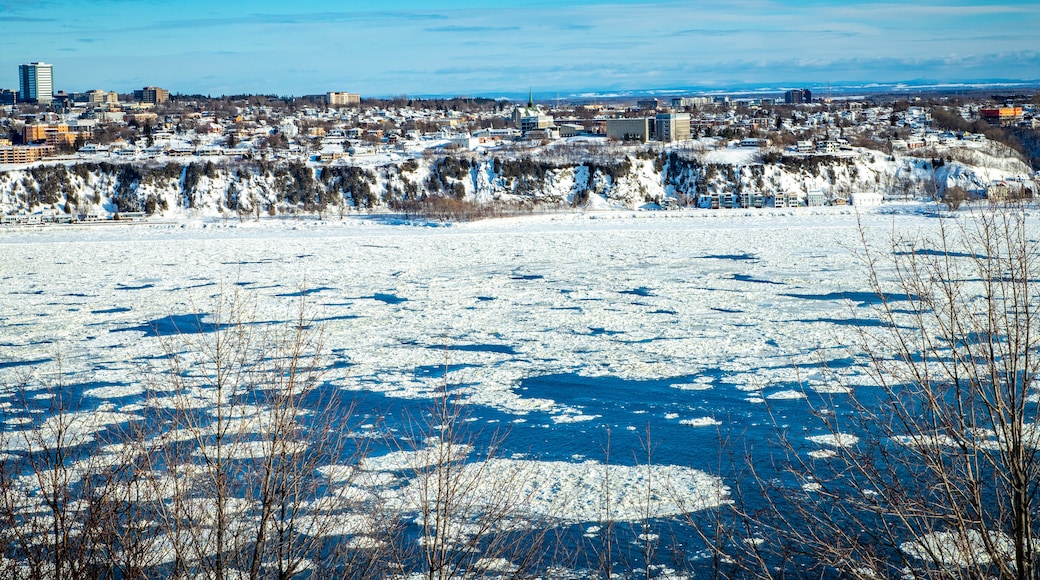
pixel 530 99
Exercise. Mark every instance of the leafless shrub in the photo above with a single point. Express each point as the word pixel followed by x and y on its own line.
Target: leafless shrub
pixel 472 514
pixel 934 472
pixel 247 426
pixel 59 483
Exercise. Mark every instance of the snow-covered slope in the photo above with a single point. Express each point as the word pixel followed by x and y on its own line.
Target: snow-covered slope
pixel 619 178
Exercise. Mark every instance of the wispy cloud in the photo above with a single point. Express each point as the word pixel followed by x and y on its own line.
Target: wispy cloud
pixel 471 46
pixel 12 18
pixel 472 29
pixel 287 19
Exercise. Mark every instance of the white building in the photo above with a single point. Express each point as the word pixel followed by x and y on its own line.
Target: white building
pixel 100 97
pixel 464 141
pixel 815 198
pixel 682 102
pixel 866 198
pixel 334 99
pixel 36 82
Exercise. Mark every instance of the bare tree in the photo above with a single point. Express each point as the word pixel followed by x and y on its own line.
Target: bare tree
pixel 473 515
pixel 954 196
pixel 59 483
pixel 934 470
pixel 242 467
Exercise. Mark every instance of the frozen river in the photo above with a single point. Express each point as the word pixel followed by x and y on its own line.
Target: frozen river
pixel 577 334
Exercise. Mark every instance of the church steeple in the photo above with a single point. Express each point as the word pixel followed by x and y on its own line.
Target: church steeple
pixel 530 99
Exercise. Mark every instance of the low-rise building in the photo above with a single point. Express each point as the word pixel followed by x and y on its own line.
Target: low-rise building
pixel 815 198
pixel 629 129
pixel 465 141
pixel 648 104
pixel 1001 115
pixel 571 129
pixel 100 97
pixel 21 154
pixel 141 118
pixel 750 199
pixel 783 199
pixel 827 147
pixel 55 135
pixel 866 198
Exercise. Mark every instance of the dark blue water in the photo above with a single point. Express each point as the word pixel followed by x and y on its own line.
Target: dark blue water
pixel 304 292
pixel 387 298
pixel 175 324
pixel 939 253
pixel 111 310
pixel 630 409
pixel 140 287
pixel 750 278
pixel 490 348
pixel 861 298
pixel 7 364
pixel 733 257
pixel 858 322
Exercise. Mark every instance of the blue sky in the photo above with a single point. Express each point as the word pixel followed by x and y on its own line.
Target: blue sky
pixel 502 47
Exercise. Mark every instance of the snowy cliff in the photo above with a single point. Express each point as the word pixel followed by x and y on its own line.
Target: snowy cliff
pixel 620 177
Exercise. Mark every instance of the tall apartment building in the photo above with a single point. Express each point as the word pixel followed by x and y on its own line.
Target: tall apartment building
pixel 36 82
pixel 342 99
pixel 153 95
pixel 683 102
pixel 798 96
pixel 672 127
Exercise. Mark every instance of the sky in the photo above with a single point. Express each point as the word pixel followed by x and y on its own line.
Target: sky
pixel 506 47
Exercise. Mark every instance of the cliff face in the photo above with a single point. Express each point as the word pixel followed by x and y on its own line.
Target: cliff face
pixel 623 179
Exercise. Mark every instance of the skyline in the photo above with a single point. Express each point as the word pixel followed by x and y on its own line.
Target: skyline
pixel 459 47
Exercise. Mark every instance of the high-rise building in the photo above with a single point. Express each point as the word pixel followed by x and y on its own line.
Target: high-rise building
pixel 672 127
pixel 683 102
pixel 153 95
pixel 798 96
pixel 36 82
pixel 335 99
